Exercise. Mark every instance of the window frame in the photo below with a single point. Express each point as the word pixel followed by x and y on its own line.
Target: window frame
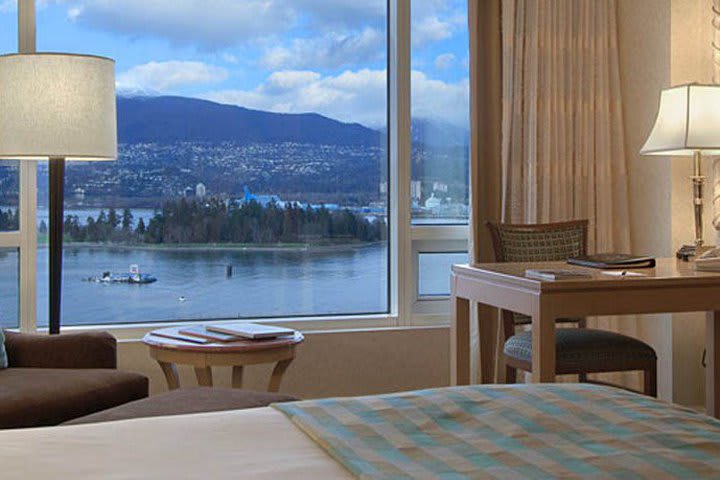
pixel 405 239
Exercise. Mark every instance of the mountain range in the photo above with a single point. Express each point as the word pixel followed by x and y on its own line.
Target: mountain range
pixel 170 119
pixel 169 143
pixel 174 119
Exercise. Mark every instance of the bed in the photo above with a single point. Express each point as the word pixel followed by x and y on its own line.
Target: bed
pixel 528 431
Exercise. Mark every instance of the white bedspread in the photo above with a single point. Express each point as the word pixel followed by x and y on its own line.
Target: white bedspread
pixel 255 443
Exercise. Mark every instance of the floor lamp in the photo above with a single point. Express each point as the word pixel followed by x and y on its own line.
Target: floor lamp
pixel 57 107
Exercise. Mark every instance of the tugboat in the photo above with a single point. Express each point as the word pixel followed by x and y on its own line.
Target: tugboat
pixel 133 277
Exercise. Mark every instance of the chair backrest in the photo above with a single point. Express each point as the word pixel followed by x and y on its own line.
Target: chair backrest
pixel 542 242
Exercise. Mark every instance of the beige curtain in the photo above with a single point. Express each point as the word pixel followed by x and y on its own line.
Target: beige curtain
pixel 485 144
pixel 561 154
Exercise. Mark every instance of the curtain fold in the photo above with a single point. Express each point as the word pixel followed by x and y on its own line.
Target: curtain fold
pixel 561 152
pixel 485 142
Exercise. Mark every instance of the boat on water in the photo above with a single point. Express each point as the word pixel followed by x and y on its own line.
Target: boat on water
pixel 134 276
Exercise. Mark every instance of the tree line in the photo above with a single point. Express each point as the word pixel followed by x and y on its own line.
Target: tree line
pixel 186 221
pixel 9 220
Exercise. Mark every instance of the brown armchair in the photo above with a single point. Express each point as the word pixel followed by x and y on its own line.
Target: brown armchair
pixel 52 379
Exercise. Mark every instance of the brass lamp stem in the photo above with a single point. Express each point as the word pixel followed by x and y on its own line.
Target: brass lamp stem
pixel 698 180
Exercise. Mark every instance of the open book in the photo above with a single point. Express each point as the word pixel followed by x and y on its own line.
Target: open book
pixel 608 261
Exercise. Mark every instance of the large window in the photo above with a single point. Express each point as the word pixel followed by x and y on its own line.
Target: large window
pixel 9 197
pixel 252 171
pixel 254 177
pixel 9 201
pixel 9 286
pixel 439 136
pixel 440 122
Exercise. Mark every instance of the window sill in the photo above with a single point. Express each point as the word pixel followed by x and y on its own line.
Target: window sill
pixel 135 332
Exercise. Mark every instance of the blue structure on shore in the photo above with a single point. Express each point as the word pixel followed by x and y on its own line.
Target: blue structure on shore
pixel 263 200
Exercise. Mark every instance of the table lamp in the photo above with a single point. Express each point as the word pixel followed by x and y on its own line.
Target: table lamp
pixel 688 124
pixel 57 107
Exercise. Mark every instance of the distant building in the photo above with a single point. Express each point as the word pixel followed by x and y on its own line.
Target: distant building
pixel 383 188
pixel 79 193
pixel 188 192
pixel 416 189
pixel 440 187
pixel 433 202
pixel 200 190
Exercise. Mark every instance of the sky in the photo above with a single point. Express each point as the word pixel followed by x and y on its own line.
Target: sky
pixel 291 56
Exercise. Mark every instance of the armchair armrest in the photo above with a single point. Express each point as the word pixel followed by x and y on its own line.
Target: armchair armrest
pixel 74 350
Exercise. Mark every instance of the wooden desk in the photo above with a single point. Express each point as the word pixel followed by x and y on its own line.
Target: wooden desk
pixel 673 286
pixel 168 352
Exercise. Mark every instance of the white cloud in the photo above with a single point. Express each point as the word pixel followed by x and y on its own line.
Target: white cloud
pixel 444 61
pixel 342 12
pixel 164 76
pixel 435 99
pixel 431 29
pixel 211 23
pixel 7 6
pixel 229 58
pixel 331 50
pixel 353 96
pixel 217 24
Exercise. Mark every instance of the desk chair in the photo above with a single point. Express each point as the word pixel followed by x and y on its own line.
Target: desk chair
pixel 580 350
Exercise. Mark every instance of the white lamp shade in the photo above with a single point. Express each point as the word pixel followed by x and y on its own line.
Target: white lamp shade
pixel 57 106
pixel 688 120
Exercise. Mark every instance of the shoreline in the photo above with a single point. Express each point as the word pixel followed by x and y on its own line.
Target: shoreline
pixel 220 247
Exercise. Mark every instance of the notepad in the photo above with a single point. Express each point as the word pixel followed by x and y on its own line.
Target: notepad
pixel 556 274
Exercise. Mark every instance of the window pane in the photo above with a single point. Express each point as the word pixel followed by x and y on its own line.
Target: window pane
pixel 434 272
pixel 9 287
pixel 440 112
pixel 251 179
pixel 9 196
pixel 8 27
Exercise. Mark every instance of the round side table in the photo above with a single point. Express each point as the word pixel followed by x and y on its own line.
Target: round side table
pixel 169 352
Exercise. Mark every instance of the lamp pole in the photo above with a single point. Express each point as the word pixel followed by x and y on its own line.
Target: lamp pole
pixel 57 207
pixel 698 180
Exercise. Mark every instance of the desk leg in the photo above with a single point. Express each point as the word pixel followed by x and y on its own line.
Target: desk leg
pixel 486 317
pixel 171 375
pixel 277 374
pixel 460 341
pixel 543 346
pixel 712 368
pixel 204 376
pixel 237 376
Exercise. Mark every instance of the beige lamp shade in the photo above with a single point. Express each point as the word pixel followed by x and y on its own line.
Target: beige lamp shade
pixel 57 106
pixel 688 121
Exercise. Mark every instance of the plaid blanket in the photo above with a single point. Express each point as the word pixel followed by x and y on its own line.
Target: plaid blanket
pixel 512 431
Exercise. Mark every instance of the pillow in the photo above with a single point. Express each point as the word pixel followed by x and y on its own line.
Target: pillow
pixel 3 352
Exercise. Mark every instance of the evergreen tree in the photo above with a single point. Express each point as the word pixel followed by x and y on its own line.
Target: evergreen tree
pixel 127 220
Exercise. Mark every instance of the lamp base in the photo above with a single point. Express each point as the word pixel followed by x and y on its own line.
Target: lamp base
pixel 687 252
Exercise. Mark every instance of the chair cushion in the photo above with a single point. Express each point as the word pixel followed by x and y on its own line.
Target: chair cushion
pixel 520 319
pixel 33 397
pixel 585 350
pixel 187 400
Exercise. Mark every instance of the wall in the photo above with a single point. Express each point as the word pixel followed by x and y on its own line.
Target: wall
pixel 664 43
pixel 644 43
pixel 691 61
pixel 332 363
